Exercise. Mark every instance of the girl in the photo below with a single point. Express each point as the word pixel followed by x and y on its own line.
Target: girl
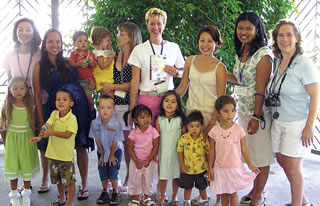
pixel 170 125
pixel 251 72
pixel 17 127
pixel 101 41
pixel 143 145
pixel 227 143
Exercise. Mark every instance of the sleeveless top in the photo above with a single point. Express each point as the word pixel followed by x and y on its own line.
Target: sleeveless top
pixel 202 89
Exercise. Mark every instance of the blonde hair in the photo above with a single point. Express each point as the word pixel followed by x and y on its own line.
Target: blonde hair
pixel 156 12
pixel 98 34
pixel 7 107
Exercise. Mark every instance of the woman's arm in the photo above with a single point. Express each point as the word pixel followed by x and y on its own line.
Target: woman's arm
pixel 221 82
pixel 232 78
pixel 185 78
pixel 107 87
pixel 37 92
pixel 134 86
pixel 263 71
pixel 307 132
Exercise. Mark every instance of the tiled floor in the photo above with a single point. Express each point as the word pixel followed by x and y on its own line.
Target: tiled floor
pixel 278 191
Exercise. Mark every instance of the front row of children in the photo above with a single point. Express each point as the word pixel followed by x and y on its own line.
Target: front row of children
pixel 183 159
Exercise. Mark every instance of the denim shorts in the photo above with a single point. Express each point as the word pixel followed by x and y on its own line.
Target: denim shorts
pixel 107 172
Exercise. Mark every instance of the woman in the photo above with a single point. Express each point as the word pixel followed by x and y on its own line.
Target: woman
pixel 20 62
pixel 251 73
pixel 151 91
pixel 205 75
pixel 295 85
pixel 53 74
pixel 129 36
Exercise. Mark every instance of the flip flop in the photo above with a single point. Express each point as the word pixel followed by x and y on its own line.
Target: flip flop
pixel 83 194
pixel 245 199
pixel 44 188
pixel 57 203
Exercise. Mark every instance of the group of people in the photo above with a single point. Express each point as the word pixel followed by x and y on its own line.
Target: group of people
pixel 271 87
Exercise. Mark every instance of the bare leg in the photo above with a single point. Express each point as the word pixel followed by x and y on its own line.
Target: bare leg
pixel 163 187
pixel 82 160
pixel 187 194
pixel 45 168
pixel 14 184
pixel 115 185
pixel 26 184
pixel 72 191
pixel 234 199
pixel 61 189
pixel 105 185
pixel 203 194
pixel 259 185
pixel 225 199
pixel 292 167
pixel 126 155
pixel 174 189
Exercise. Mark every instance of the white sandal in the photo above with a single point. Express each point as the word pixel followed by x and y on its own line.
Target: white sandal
pixel 134 203
pixel 14 198
pixel 149 202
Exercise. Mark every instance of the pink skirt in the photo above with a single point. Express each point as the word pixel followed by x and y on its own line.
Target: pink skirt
pixel 230 180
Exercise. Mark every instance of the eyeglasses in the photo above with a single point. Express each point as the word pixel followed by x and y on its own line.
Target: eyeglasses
pixel 121 34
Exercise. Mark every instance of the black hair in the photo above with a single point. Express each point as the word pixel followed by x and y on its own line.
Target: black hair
pixel 178 112
pixel 140 109
pixel 36 39
pixel 77 34
pixel 46 67
pixel 223 100
pixel 214 33
pixel 106 97
pixel 195 116
pixel 260 39
pixel 66 91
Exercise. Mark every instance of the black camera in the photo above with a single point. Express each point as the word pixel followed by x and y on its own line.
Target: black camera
pixel 272 100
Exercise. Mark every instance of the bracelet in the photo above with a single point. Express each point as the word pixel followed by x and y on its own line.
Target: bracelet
pixel 257 117
pixel 259 94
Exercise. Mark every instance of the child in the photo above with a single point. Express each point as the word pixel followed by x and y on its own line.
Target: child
pixel 17 128
pixel 107 132
pixel 227 143
pixel 170 125
pixel 62 128
pixel 143 145
pixel 101 41
pixel 84 61
pixel 192 153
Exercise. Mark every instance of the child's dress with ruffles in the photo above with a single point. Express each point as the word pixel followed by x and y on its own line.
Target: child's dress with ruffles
pixel 21 158
pixel 229 174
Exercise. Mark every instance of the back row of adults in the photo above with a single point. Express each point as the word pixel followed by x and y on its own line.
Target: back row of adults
pixel 283 128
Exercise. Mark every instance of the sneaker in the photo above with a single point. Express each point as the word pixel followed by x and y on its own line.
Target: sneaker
pixel 14 198
pixel 186 203
pixel 204 203
pixel 26 193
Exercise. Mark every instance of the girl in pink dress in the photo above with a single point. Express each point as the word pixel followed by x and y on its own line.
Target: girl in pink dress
pixel 227 144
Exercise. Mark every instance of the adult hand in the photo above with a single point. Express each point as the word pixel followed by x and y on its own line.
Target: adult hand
pixel 171 70
pixel 253 126
pixel 307 136
pixel 107 88
pixel 91 84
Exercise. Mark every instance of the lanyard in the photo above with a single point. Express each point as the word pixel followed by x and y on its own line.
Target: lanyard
pixel 241 69
pixel 121 73
pixel 30 60
pixel 153 48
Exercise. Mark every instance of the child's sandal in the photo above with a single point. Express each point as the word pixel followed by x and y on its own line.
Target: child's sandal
pixel 149 202
pixel 134 203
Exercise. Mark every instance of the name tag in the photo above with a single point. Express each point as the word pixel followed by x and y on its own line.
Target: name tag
pixel 121 94
pixel 241 90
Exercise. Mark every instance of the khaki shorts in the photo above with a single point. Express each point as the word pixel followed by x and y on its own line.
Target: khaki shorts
pixel 84 85
pixel 62 172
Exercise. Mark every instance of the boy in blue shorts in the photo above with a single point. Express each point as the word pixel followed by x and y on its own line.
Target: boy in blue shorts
pixel 107 132
pixel 61 128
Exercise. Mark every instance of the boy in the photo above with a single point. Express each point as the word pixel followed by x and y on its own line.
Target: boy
pixel 85 62
pixel 61 128
pixel 192 153
pixel 107 132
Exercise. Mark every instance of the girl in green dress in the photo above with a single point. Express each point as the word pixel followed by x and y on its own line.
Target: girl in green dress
pixel 17 128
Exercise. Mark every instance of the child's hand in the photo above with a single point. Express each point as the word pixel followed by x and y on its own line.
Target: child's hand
pixel 34 140
pixel 254 169
pixel 156 158
pixel 101 161
pixel 139 165
pixel 112 160
pixel 210 174
pixel 146 163
pixel 91 84
pixel 183 169
pixel 46 133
